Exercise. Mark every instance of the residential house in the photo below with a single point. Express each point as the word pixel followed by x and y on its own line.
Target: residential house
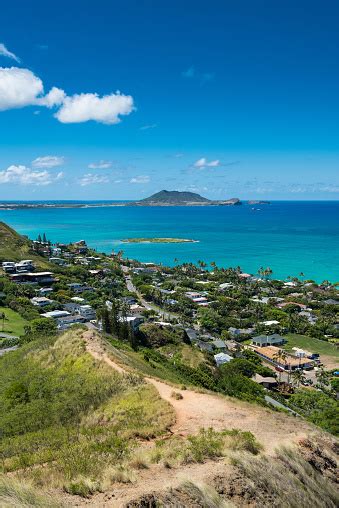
pixel 78 287
pixel 192 335
pixel 285 304
pixel 331 301
pixel 67 321
pixel 33 278
pixel 133 321
pixel 58 261
pixel 222 358
pixel 136 309
pixel 267 382
pixel 270 354
pixel 204 346
pixel 56 314
pixel 71 307
pixel 219 344
pixel 41 301
pixel 87 312
pixel 45 291
pixel 238 332
pixel 271 322
pixel 268 340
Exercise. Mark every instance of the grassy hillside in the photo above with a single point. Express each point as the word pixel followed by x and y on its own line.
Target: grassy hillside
pixel 65 415
pixel 14 324
pixel 14 247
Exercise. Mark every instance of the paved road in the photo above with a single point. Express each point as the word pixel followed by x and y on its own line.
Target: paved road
pixel 279 405
pixel 8 349
pixel 149 306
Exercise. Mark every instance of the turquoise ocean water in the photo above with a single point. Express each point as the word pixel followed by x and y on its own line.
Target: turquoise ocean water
pixel 290 237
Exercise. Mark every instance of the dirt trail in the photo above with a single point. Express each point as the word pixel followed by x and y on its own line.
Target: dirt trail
pixel 196 410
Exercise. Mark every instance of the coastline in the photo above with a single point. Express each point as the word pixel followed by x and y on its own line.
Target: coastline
pixel 229 236
pixel 159 240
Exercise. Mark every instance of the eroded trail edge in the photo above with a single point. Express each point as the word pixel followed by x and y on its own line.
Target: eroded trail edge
pixel 196 410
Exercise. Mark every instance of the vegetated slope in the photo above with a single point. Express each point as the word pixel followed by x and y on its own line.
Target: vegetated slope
pixel 76 423
pixel 239 479
pixel 196 410
pixel 175 197
pixel 294 478
pixel 65 415
pixel 15 247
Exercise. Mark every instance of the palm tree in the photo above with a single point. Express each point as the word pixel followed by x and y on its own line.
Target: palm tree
pixel 3 319
pixel 202 264
pixel 280 357
pixel 268 272
pixel 323 378
pixel 120 253
pixel 298 377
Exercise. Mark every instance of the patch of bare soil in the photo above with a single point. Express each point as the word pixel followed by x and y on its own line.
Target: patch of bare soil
pixel 194 411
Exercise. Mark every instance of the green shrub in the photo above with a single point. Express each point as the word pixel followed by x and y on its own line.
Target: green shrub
pixel 82 487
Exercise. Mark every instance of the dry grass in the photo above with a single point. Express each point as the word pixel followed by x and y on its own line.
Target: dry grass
pixel 139 460
pixel 286 480
pixel 23 495
pixel 119 474
pixel 176 396
pixel 204 495
pixel 207 444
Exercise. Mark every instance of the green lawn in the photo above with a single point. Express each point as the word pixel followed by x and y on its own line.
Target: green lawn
pixel 14 324
pixel 310 344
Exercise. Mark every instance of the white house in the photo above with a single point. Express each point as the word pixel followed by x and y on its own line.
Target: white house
pixel 221 358
pixel 87 312
pixel 41 301
pixel 56 314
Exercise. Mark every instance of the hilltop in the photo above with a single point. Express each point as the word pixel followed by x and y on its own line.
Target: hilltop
pixel 175 197
pixel 178 198
pixel 12 245
pixel 15 247
pixel 81 424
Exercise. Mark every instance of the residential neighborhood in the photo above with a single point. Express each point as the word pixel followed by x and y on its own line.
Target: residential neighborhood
pixel 216 316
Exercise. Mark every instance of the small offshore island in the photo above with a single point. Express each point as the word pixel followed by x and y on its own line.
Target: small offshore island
pixel 159 240
pixel 162 198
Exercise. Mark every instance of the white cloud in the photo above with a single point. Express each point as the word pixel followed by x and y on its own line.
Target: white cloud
pixel 89 106
pixel 100 165
pixel 23 175
pixel 204 163
pixel 140 179
pixel 55 97
pixel 48 161
pixel 90 179
pixel 5 52
pixel 147 127
pixel 20 88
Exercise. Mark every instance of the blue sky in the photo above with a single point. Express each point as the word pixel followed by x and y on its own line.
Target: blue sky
pixel 117 100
